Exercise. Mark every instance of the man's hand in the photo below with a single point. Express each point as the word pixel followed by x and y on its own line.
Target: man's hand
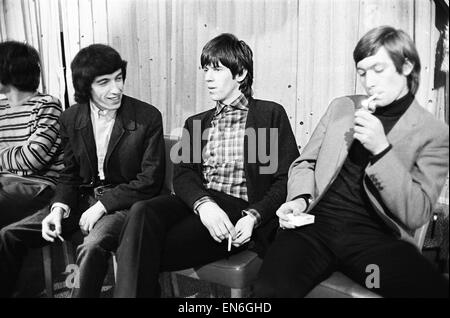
pixel 244 228
pixel 51 225
pixel 216 221
pixel 296 207
pixel 370 132
pixel 90 217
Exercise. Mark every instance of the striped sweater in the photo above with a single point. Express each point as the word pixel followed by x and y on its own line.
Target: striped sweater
pixel 29 138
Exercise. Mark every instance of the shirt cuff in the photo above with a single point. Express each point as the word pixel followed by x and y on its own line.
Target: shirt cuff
pixel 306 197
pixel 254 213
pixel 380 155
pixel 99 207
pixel 200 202
pixel 63 206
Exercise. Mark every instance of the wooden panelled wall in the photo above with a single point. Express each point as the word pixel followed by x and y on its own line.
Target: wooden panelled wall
pixel 302 48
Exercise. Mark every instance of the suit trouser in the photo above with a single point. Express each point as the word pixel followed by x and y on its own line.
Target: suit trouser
pixel 22 203
pixel 92 255
pixel 164 234
pixel 301 258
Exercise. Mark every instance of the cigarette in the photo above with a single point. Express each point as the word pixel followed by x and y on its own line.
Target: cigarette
pixel 229 242
pixel 368 105
pixel 60 237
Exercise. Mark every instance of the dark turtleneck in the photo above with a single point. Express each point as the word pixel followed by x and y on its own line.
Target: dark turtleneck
pixel 346 200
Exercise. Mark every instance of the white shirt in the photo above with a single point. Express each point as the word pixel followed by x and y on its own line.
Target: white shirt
pixel 102 125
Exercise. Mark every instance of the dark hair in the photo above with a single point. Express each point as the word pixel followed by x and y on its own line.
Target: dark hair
pixel 232 53
pixel 398 45
pixel 90 62
pixel 19 66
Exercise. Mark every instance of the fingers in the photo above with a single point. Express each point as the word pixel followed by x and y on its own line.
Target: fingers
pixel 221 231
pixel 283 210
pixel 361 137
pixel 297 211
pixel 46 232
pixel 48 235
pixel 229 227
pixel 363 114
pixel 241 239
pixel 214 236
pixel 90 226
pixel 286 225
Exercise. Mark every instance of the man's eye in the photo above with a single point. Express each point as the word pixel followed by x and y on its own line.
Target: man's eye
pixel 379 69
pixel 362 74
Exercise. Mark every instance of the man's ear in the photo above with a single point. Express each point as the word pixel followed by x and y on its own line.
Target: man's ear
pixel 407 67
pixel 241 77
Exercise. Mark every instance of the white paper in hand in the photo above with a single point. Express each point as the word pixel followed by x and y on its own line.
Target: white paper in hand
pixel 301 219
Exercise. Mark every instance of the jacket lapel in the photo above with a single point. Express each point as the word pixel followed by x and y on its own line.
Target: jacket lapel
pixel 84 126
pixel 125 120
pixel 405 124
pixel 336 149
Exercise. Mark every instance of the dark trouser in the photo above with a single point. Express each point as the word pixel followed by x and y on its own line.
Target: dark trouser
pixel 164 234
pixel 300 259
pixel 92 254
pixel 24 201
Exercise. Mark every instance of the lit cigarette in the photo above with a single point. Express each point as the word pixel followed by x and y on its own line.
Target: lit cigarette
pixel 229 242
pixel 368 103
pixel 60 237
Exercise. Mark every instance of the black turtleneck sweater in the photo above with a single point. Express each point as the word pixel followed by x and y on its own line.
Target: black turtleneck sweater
pixel 346 200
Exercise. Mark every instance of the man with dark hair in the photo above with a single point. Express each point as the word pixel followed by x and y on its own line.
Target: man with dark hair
pixel 370 175
pixel 30 152
pixel 113 156
pixel 229 195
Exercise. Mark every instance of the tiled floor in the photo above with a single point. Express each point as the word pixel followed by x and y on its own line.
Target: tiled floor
pixel 31 282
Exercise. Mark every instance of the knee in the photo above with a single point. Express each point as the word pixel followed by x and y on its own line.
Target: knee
pixel 6 234
pixel 143 211
pixel 90 247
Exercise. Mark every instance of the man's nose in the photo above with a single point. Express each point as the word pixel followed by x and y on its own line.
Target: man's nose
pixel 116 87
pixel 371 79
pixel 208 76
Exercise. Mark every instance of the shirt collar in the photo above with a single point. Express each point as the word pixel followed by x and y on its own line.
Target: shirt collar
pixel 99 113
pixel 239 103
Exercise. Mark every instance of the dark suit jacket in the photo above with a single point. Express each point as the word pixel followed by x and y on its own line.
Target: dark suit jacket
pixel 266 192
pixel 402 186
pixel 134 160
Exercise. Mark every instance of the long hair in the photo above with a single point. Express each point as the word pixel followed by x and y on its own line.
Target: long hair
pixel 232 53
pixel 398 45
pixel 20 66
pixel 90 62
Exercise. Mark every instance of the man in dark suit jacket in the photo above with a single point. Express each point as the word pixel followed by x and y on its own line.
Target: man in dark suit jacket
pixel 225 191
pixel 113 157
pixel 370 174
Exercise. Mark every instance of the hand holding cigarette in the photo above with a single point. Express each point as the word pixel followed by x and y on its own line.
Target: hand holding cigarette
pixel 369 103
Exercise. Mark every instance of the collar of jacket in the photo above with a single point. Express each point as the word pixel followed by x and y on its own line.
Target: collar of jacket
pixel 126 116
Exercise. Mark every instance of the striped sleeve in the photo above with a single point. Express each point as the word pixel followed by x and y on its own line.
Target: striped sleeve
pixel 38 151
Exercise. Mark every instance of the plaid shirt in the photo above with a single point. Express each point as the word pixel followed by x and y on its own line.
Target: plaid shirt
pixel 223 163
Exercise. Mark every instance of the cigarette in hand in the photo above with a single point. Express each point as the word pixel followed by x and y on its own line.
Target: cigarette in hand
pixel 368 103
pixel 229 242
pixel 60 237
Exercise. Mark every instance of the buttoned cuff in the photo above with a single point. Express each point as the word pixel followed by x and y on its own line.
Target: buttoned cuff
pixel 255 214
pixel 200 202
pixel 380 155
pixel 63 206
